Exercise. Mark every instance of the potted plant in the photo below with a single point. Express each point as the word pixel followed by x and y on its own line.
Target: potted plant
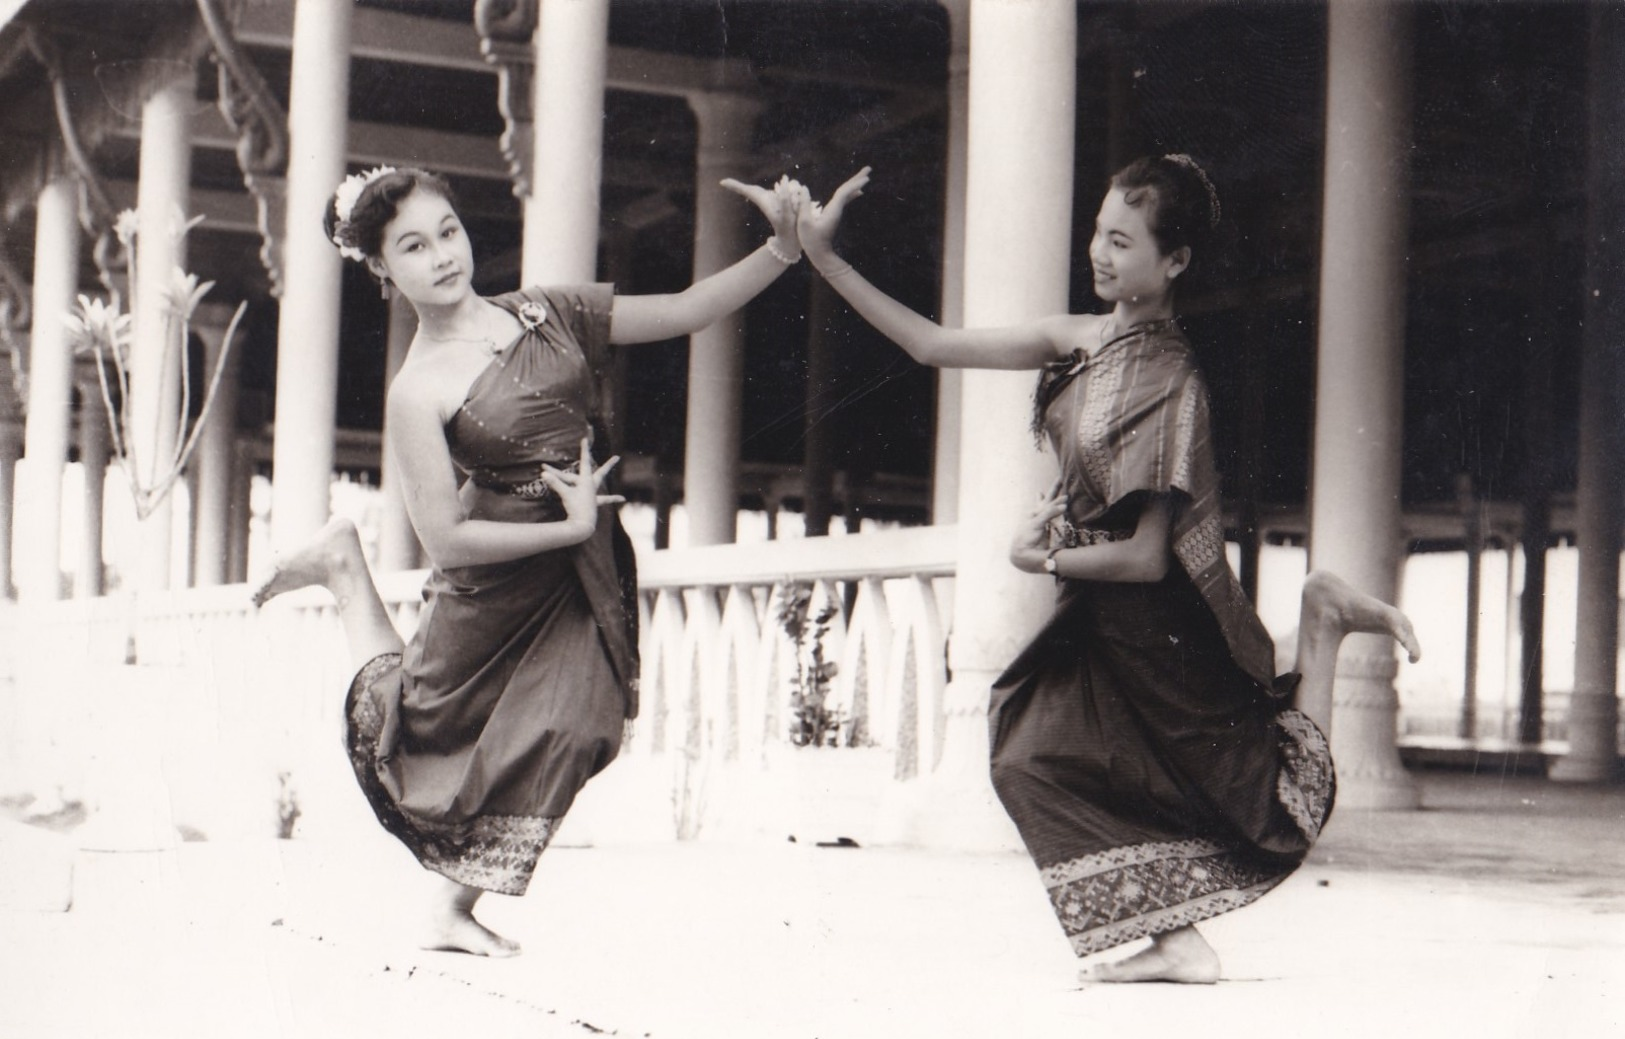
pixel 129 705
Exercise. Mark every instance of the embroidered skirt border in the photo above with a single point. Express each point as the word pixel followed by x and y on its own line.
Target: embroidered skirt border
pixel 495 853
pixel 1112 897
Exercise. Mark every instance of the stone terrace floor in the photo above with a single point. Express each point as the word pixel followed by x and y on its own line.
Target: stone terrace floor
pixel 1498 910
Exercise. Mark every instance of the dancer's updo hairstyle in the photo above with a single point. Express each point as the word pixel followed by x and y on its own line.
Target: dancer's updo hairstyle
pixel 1183 207
pixel 365 203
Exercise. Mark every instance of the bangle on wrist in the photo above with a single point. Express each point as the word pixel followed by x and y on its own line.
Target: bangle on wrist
pixel 845 268
pixel 780 255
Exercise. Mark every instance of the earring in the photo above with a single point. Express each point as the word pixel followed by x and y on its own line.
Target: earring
pixel 383 289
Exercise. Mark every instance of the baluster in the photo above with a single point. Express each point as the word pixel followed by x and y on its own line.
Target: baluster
pixel 917 673
pixel 742 641
pixel 861 677
pixel 662 646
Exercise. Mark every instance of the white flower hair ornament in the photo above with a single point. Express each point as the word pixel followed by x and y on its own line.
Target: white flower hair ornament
pixel 344 200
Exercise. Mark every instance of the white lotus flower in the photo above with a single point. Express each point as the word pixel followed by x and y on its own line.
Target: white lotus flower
pixel 185 293
pixel 97 326
pixel 126 226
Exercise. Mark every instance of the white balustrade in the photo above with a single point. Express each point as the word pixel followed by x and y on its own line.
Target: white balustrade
pixel 251 725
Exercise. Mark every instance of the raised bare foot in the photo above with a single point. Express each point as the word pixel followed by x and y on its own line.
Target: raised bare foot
pixel 334 546
pixel 458 931
pixel 1182 956
pixel 1330 601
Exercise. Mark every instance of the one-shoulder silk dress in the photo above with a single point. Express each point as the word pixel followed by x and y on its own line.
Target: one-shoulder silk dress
pixel 517 684
pixel 1141 742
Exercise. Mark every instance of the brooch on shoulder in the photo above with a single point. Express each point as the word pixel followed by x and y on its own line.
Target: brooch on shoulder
pixel 531 315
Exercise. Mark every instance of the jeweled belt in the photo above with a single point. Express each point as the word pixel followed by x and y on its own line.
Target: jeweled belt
pixel 531 490
pixel 1063 534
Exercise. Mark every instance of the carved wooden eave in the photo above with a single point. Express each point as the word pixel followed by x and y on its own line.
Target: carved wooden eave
pixel 95 82
pixel 252 112
pixel 507 30
pixel 16 317
pixel 96 213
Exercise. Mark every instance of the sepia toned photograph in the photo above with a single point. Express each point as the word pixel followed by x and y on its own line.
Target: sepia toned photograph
pixel 811 519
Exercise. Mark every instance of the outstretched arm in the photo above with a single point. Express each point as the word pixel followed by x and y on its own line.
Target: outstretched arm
pixel 647 319
pixel 1030 345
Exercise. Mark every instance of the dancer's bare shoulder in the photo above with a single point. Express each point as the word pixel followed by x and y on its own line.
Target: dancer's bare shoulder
pixel 1074 332
pixel 431 389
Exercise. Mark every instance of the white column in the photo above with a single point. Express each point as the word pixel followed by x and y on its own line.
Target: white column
pixel 561 215
pixel 716 355
pixel 215 455
pixel 1355 505
pixel 308 328
pixel 1018 245
pixel 397 541
pixel 93 453
pixel 818 435
pixel 950 381
pixel 50 394
pixel 242 512
pixel 157 354
pixel 1593 720
pixel 11 450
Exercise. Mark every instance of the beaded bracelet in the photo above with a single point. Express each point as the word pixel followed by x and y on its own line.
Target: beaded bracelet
pixel 773 250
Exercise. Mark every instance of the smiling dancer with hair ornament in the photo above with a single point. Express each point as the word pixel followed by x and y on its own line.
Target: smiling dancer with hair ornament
pixel 471 741
pixel 1141 742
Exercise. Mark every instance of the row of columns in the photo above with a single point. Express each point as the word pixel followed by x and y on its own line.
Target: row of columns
pixel 1008 244
pixel 152 424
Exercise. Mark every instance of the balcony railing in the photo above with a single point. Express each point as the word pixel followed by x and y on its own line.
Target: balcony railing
pixel 243 714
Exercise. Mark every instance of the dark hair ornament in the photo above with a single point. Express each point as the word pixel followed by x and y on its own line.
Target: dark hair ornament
pixel 1181 159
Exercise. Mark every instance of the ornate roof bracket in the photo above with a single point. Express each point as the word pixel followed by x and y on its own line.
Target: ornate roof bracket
pixel 16 308
pixel 252 111
pixel 507 30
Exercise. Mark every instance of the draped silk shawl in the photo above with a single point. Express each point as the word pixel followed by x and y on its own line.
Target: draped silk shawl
pixel 1134 419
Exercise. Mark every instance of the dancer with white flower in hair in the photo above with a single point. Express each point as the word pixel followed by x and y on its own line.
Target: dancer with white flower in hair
pixel 1142 742
pixel 472 740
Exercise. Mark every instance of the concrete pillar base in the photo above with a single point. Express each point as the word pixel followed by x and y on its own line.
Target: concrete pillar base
pixel 954 808
pixel 943 813
pixel 1573 770
pixel 1364 733
pixel 1382 792
pixel 1593 756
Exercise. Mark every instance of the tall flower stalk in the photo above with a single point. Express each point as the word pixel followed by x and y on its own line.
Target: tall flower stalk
pixel 104 329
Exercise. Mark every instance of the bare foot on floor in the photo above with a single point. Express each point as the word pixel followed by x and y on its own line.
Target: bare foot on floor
pixel 1335 603
pixel 458 931
pixel 334 546
pixel 1182 956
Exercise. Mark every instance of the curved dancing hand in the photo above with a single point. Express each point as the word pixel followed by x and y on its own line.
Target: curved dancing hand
pixel 819 222
pixel 1030 545
pixel 579 490
pixel 781 204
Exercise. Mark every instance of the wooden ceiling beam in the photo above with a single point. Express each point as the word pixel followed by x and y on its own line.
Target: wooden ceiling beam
pixel 437 43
